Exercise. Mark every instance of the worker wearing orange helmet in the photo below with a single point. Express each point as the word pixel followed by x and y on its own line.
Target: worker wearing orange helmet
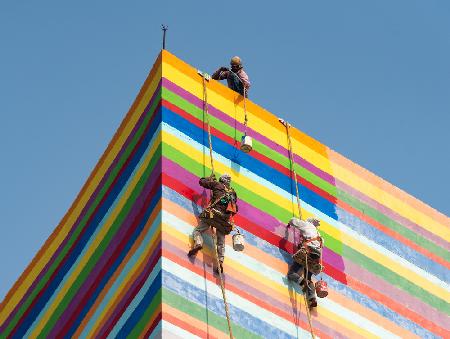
pixel 237 79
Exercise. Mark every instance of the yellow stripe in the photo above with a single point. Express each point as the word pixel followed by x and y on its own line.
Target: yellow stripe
pixel 114 298
pixel 280 289
pixel 53 246
pixel 82 261
pixel 284 203
pixel 319 160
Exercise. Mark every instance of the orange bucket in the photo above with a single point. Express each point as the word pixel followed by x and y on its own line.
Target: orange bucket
pixel 321 288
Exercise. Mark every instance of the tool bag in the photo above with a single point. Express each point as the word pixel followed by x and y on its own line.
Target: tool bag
pixel 216 218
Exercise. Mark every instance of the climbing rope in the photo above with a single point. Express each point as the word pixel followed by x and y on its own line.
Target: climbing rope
pixel 291 156
pixel 227 312
pixel 245 112
pixel 205 112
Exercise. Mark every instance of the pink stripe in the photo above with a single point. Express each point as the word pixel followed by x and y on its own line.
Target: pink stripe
pixel 302 162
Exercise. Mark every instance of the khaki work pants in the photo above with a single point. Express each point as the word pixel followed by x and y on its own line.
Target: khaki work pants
pixel 220 238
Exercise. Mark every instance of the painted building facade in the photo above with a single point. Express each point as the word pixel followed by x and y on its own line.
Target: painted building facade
pixel 116 264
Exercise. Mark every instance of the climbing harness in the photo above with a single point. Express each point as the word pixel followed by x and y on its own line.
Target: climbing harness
pixel 207 77
pixel 291 156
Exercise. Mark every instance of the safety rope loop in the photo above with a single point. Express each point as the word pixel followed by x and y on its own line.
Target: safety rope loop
pixel 222 286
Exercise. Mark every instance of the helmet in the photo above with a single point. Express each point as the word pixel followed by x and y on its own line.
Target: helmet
pixel 314 221
pixel 236 61
pixel 225 178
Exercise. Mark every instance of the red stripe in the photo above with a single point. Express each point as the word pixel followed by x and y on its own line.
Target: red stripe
pixel 115 254
pixel 283 170
pixel 154 324
pixel 69 252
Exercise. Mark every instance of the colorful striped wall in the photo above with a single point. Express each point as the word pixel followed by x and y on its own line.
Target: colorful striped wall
pixel 116 265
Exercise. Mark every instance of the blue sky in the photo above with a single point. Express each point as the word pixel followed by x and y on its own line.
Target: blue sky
pixel 370 79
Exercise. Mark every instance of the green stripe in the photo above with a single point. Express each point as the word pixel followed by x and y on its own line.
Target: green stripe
pixel 308 176
pixel 83 222
pixel 99 251
pixel 205 315
pixel 143 322
pixel 334 244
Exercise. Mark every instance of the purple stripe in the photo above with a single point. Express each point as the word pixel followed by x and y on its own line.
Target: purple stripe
pixel 393 215
pixel 128 224
pixel 330 258
pixel 391 291
pixel 295 312
pixel 373 281
pixel 267 222
pixel 84 210
pixel 130 294
pixel 302 162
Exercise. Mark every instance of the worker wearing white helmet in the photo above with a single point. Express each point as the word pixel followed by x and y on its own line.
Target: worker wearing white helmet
pixel 309 251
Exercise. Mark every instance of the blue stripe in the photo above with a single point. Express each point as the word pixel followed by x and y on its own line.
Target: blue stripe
pixel 309 196
pixel 118 261
pixel 89 229
pixel 192 293
pixel 137 314
pixel 278 253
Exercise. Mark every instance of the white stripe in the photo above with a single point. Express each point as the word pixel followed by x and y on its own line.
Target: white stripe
pixel 278 278
pixel 282 193
pixel 177 331
pixel 234 299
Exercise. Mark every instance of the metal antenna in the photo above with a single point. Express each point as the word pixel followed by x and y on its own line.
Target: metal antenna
pixel 164 28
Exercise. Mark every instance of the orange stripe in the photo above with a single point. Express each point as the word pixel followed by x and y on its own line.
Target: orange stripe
pixel 281 267
pixel 85 186
pixel 118 271
pixel 207 260
pixel 128 285
pixel 190 323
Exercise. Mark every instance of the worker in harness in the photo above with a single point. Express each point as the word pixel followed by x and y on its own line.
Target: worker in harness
pixel 307 259
pixel 237 79
pixel 218 214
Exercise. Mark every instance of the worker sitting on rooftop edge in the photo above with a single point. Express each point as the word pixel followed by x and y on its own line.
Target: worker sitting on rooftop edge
pixel 309 249
pixel 236 77
pixel 217 214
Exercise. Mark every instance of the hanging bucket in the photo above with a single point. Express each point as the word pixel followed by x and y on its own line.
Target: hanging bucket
pixel 321 288
pixel 246 144
pixel 238 242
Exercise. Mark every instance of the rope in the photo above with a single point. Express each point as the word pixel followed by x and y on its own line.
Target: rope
pixel 291 156
pixel 205 111
pixel 227 312
pixel 306 272
pixel 245 112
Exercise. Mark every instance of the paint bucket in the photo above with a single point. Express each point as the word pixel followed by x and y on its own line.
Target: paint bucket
pixel 321 288
pixel 246 144
pixel 238 242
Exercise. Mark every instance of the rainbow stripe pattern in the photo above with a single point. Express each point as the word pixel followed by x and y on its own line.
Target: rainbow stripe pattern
pixel 116 265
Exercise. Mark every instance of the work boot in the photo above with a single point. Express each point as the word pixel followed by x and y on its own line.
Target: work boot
pixel 194 250
pixel 216 270
pixel 312 303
